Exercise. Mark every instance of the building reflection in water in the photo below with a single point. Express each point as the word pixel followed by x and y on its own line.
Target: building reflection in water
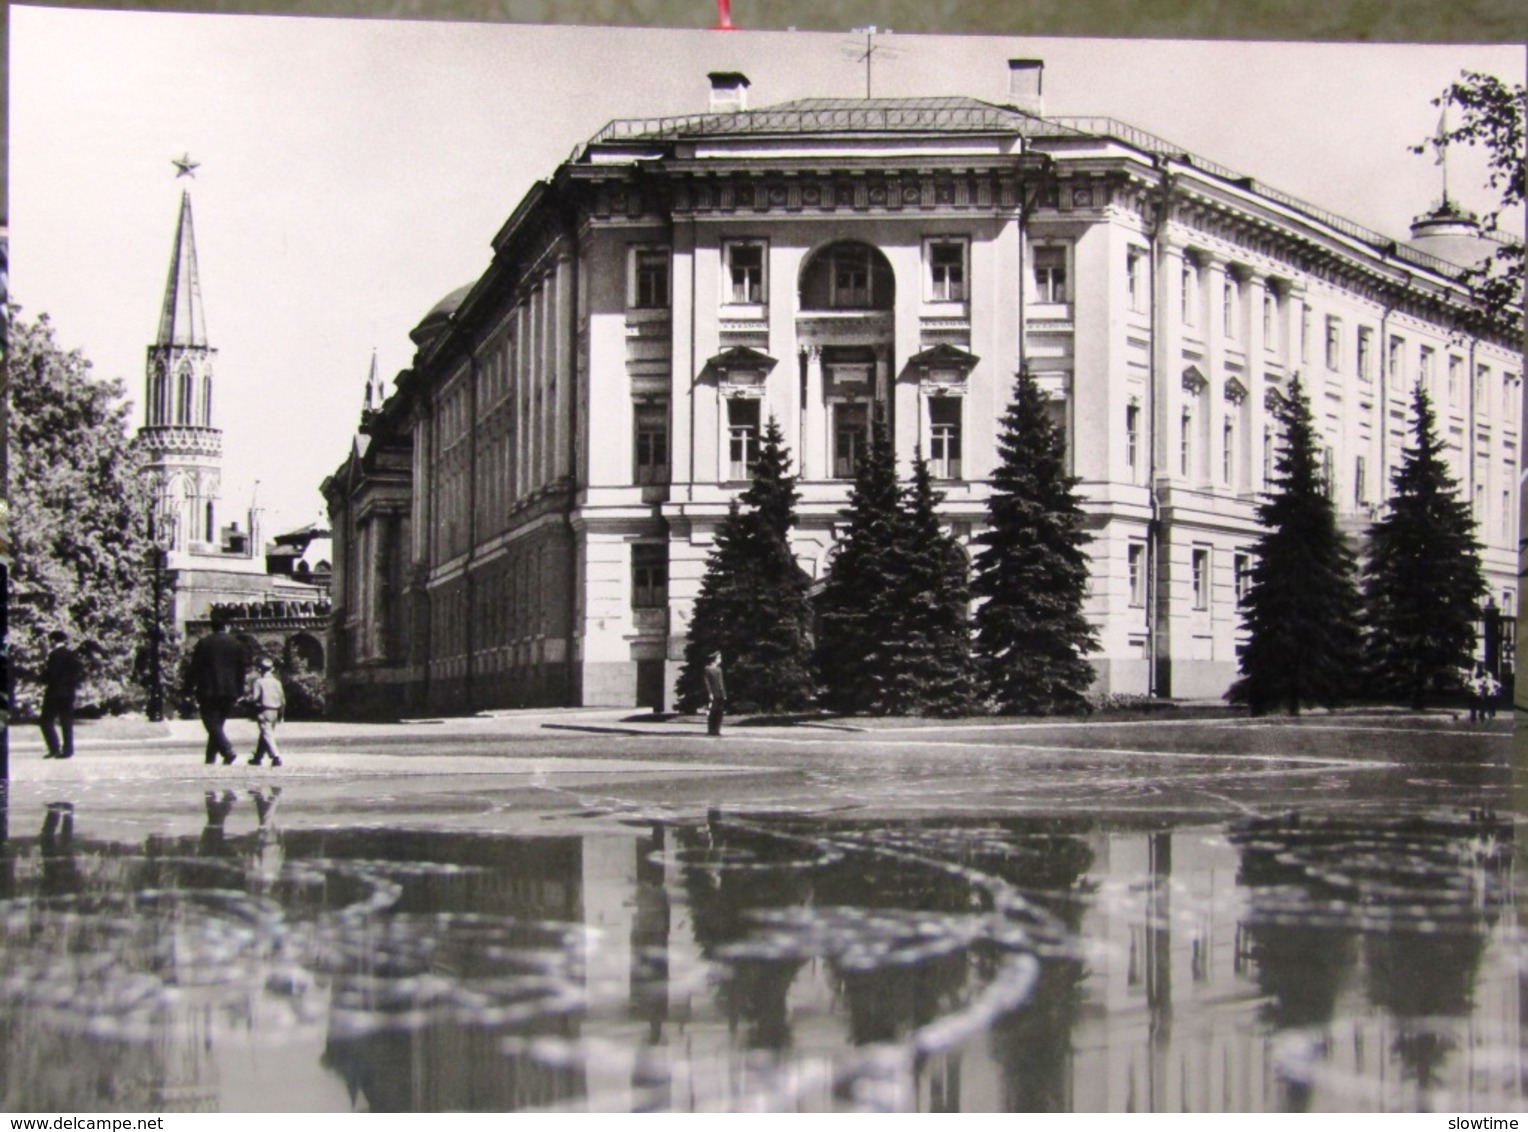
pixel 1021 965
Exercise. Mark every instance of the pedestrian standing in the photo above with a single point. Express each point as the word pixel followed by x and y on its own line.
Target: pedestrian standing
pixel 267 700
pixel 716 693
pixel 62 674
pixel 1492 693
pixel 1476 690
pixel 217 678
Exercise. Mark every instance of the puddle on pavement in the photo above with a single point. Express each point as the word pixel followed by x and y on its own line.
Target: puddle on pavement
pixel 772 962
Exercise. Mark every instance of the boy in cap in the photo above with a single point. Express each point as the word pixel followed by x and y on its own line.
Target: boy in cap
pixel 268 702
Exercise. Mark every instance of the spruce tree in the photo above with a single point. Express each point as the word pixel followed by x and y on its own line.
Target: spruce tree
pixel 1031 637
pixel 753 606
pixel 1422 582
pixel 854 655
pixel 79 506
pixel 931 671
pixel 1301 608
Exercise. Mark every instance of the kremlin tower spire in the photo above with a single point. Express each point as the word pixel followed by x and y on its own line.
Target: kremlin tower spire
pixel 182 450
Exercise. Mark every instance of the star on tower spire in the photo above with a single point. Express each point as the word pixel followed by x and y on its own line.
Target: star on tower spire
pixel 184 166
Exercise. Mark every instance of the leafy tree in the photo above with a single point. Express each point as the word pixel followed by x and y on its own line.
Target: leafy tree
pixel 1031 637
pixel 1301 608
pixel 857 602
pixel 1493 119
pixel 79 507
pixel 1422 582
pixel 928 627
pixel 753 606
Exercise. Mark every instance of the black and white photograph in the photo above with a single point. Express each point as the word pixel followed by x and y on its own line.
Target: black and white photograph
pixel 591 569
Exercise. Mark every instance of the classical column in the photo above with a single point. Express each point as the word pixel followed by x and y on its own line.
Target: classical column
pixel 813 416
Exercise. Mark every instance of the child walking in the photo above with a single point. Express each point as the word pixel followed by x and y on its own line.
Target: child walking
pixel 268 702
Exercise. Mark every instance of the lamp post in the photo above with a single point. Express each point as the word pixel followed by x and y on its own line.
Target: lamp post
pixel 159 541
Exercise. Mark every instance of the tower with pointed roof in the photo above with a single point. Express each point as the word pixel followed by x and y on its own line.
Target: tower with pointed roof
pixel 182 449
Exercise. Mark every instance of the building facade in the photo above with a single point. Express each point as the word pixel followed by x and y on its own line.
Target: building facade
pixel 527 516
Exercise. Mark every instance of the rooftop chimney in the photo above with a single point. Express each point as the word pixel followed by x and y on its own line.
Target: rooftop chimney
pixel 729 91
pixel 1026 81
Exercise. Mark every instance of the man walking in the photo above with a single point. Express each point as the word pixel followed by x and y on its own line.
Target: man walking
pixel 62 674
pixel 217 677
pixel 268 701
pixel 716 693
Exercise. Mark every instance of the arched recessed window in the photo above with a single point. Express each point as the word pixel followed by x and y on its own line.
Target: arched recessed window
pixel 183 408
pixel 209 521
pixel 159 406
pixel 207 401
pixel 848 276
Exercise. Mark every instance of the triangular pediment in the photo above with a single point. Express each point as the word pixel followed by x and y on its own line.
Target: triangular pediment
pixel 744 358
pixel 944 356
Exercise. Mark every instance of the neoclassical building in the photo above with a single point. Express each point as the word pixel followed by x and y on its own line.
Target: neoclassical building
pixel 525 518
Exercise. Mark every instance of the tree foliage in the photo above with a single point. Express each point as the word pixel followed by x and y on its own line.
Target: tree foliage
pixel 1492 119
pixel 79 508
pixel 1032 640
pixel 1422 582
pixel 753 606
pixel 931 670
pixel 1302 604
pixel 855 607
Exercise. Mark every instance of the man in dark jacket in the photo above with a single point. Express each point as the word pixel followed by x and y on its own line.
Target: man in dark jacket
pixel 62 674
pixel 217 677
pixel 716 695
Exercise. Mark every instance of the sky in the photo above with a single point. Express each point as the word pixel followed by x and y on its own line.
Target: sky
pixel 353 172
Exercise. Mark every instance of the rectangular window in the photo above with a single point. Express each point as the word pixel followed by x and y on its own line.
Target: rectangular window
pixel 1455 375
pixel 1333 343
pixel 1190 292
pixel 1365 362
pixel 745 270
pixel 1304 333
pixel 1228 451
pixel 1050 274
pixel 1201 577
pixel 1230 302
pixel 1270 321
pixel 850 278
pixel 1268 464
pixel 1395 362
pixel 1135 277
pixel 1426 363
pixel 1242 565
pixel 1186 442
pixel 1360 484
pixel 1132 436
pixel 851 436
pixel 650 285
pixel 649 576
pixel 651 443
pixel 742 437
pixel 1328 471
pixel 944 437
pixel 1136 562
pixel 946 270
pixel 1482 383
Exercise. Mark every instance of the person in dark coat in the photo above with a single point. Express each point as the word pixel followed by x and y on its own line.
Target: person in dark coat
pixel 217 678
pixel 62 674
pixel 716 693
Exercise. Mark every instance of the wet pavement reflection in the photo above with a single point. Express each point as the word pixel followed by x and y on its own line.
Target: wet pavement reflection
pixel 762 961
